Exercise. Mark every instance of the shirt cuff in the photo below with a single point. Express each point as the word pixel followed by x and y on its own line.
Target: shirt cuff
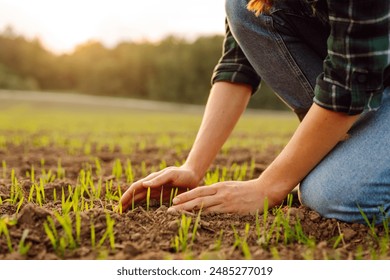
pixel 242 74
pixel 334 97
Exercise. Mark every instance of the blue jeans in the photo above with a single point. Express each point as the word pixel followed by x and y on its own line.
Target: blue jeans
pixel 286 48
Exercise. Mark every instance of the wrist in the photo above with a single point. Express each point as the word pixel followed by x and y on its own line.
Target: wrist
pixel 274 190
pixel 197 173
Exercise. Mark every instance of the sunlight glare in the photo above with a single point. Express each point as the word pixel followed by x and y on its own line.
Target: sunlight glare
pixel 61 25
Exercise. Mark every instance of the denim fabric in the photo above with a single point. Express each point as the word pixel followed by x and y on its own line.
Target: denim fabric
pixel 287 47
pixel 356 173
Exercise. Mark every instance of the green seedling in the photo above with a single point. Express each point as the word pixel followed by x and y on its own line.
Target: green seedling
pixel 340 238
pixel 98 168
pixel 54 194
pixel 78 227
pixel 171 197
pixel 240 172
pixel 43 170
pixel 4 223
pixel 99 188
pixel 16 191
pixel 19 204
pixel 218 242
pixel 371 225
pixel 32 174
pixel 241 242
pixel 66 223
pixel 48 177
pixel 147 199
pixel 212 177
pixel 93 235
pixel 181 239
pixel 129 172
pixel 224 173
pixel 110 194
pixel 143 169
pixel 117 169
pixel 173 194
pixel 86 184
pixel 301 237
pixel 60 170
pixel 109 232
pixel 275 253
pixel 51 232
pixel 196 225
pixel 23 248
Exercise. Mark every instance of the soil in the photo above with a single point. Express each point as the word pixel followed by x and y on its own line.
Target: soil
pixel 142 234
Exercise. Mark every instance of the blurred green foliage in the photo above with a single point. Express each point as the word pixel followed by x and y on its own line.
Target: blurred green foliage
pixel 173 69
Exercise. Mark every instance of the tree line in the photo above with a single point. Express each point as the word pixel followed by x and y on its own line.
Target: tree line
pixel 173 69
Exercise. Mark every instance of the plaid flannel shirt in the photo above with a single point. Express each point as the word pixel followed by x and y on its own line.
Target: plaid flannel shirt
pixel 356 70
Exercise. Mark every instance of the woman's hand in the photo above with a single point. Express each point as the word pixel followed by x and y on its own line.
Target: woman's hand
pixel 225 197
pixel 163 181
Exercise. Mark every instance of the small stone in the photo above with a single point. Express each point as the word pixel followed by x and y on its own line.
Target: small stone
pixel 295 212
pixel 349 234
pixel 162 209
pixel 314 216
pixel 131 249
pixel 173 212
pixel 136 236
pixel 322 245
pixel 173 225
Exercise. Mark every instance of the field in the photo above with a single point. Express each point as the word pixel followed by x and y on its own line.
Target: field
pixel 64 167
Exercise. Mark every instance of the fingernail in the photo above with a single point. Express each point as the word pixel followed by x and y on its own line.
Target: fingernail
pixel 176 200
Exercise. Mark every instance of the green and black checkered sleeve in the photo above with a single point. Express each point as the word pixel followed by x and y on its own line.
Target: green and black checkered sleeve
pixel 356 70
pixel 233 66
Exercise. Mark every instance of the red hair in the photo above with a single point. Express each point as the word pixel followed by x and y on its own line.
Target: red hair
pixel 258 6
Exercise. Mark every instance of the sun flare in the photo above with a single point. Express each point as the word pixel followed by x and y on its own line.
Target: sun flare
pixel 61 25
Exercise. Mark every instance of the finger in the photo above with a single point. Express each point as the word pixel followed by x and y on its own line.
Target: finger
pixel 216 209
pixel 163 178
pixel 193 194
pixel 199 203
pixel 134 189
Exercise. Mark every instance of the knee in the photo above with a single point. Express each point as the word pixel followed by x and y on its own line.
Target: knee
pixel 312 195
pixel 331 198
pixel 345 200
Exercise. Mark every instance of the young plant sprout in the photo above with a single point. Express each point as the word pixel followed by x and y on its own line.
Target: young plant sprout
pixel 4 223
pixel 147 199
pixel 23 248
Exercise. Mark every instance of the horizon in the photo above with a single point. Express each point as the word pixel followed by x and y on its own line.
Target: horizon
pixel 62 25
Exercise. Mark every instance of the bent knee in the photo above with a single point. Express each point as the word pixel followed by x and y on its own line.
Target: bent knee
pixel 348 202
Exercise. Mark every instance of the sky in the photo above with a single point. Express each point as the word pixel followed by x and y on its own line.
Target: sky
pixel 63 24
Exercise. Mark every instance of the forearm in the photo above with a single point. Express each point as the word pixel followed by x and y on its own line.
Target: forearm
pixel 224 107
pixel 316 136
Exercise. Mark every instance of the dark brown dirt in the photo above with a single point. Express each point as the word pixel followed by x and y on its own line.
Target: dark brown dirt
pixel 141 234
